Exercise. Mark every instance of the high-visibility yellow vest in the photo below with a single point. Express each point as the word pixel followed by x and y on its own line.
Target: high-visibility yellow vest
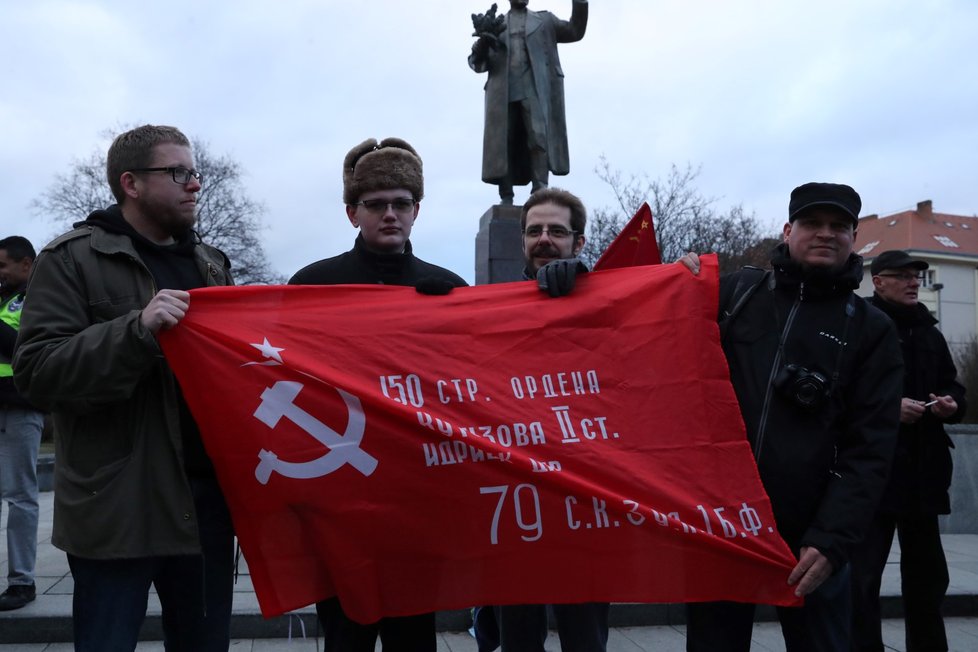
pixel 10 314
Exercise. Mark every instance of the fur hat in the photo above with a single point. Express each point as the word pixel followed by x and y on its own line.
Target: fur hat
pixel 391 163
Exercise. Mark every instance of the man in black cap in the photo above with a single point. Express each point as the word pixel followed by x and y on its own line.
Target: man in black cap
pixel 817 374
pixel 917 491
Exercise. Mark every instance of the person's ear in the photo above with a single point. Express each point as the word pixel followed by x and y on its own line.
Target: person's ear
pixel 128 183
pixel 578 245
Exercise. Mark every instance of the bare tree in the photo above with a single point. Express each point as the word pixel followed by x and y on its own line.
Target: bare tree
pixel 684 219
pixel 226 217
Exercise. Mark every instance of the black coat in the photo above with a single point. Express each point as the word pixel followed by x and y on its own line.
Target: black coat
pixel 361 266
pixel 824 469
pixel 922 466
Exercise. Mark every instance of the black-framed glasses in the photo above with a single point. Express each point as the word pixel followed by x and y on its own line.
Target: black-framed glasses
pixel 179 173
pixel 906 277
pixel 401 205
pixel 556 232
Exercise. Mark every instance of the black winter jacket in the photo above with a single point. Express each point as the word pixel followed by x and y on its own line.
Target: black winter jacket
pixel 824 469
pixel 360 266
pixel 921 472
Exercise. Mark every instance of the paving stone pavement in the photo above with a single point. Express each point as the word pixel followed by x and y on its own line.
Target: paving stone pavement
pixel 44 625
pixel 962 637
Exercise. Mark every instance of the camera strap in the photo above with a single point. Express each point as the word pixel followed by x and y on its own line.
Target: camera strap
pixel 741 294
pixel 850 312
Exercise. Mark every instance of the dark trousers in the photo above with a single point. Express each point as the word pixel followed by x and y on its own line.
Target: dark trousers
pixel 821 625
pixel 110 595
pixel 923 578
pixel 581 627
pixel 402 634
pixel 527 131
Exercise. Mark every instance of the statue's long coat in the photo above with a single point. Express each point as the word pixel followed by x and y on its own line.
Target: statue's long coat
pixel 543 32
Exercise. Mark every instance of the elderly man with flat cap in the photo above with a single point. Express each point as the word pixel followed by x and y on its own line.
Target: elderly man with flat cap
pixel 918 488
pixel 817 373
pixel 383 185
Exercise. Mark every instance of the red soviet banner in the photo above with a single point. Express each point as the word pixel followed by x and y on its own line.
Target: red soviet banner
pixel 634 245
pixel 413 453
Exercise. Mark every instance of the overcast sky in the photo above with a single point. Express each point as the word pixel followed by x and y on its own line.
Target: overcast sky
pixel 764 95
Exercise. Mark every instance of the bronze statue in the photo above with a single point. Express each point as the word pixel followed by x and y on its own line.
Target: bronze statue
pixel 525 135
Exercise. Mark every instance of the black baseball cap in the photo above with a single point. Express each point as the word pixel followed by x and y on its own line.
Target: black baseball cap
pixel 837 195
pixel 895 259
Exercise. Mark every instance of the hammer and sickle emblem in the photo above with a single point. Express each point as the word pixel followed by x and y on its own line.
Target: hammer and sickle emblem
pixel 278 401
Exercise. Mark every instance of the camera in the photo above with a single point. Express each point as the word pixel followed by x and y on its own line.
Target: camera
pixel 805 388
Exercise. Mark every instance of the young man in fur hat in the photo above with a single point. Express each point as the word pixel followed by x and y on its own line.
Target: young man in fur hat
pixel 382 187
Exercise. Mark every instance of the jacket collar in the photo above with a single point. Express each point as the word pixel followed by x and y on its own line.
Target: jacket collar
pixel 112 221
pixel 376 259
pixel 533 23
pixel 818 282
pixel 905 316
pixel 111 242
pixel 107 242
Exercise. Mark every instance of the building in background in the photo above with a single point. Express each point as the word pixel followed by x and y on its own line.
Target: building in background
pixel 949 243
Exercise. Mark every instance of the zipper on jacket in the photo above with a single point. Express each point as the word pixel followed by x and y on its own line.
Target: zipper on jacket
pixel 765 408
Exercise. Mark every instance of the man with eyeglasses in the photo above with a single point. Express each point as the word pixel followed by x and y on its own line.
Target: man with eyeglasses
pixel 817 374
pixel 383 185
pixel 917 491
pixel 553 223
pixel 136 499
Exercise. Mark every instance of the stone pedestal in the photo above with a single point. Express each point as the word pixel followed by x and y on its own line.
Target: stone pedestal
pixel 499 246
pixel 963 518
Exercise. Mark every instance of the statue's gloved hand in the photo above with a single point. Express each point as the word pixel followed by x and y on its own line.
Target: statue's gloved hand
pixel 484 44
pixel 480 48
pixel 557 277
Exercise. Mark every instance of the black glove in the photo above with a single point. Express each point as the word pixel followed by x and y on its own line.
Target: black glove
pixel 557 277
pixel 434 286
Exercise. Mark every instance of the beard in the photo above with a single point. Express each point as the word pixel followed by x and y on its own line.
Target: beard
pixel 541 251
pixel 174 219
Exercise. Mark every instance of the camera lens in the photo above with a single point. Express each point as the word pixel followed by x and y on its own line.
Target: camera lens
pixel 808 392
